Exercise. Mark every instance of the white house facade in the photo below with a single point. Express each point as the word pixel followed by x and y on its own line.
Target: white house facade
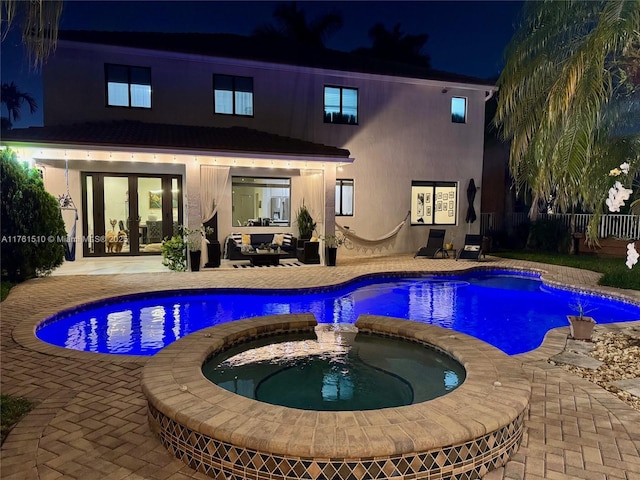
pixel 148 131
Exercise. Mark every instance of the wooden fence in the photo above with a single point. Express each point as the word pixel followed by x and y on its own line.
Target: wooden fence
pixel 611 225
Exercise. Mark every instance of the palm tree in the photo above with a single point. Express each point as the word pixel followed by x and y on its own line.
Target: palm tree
pixel 40 20
pixel 13 99
pixel 394 45
pixel 292 25
pixel 567 97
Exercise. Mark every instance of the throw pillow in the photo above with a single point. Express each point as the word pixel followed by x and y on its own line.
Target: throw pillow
pixel 246 239
pixel 278 239
pixel 237 237
pixel 314 239
pixel 288 240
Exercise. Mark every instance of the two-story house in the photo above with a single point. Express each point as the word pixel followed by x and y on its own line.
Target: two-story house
pixel 146 131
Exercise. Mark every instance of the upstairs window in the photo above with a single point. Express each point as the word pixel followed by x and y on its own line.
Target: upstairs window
pixel 128 86
pixel 459 110
pixel 344 197
pixel 233 95
pixel 341 105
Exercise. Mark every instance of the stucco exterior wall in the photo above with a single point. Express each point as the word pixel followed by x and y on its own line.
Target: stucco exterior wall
pixel 404 133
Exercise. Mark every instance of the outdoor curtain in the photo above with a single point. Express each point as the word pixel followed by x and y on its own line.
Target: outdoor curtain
pixel 313 188
pixel 213 186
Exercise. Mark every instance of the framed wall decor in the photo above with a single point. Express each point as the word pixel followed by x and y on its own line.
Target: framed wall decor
pixel 434 203
pixel 155 200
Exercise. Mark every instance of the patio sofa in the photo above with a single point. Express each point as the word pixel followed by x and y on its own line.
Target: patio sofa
pixel 234 245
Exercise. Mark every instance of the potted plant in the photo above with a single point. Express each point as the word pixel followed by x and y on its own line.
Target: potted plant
pixel 194 238
pixel 173 253
pixel 305 222
pixel 449 246
pixel 331 244
pixel 581 326
pixel 266 247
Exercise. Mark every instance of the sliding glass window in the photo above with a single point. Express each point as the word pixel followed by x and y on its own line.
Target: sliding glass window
pixel 434 203
pixel 259 201
pixel 341 105
pixel 344 197
pixel 128 86
pixel 233 95
pixel 459 110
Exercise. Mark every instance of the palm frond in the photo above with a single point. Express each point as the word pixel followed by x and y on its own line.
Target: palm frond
pixel 564 93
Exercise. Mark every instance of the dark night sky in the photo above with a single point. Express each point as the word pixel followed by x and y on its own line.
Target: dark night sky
pixel 466 37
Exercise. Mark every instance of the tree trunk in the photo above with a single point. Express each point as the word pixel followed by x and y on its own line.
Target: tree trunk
pixel 573 244
pixel 533 217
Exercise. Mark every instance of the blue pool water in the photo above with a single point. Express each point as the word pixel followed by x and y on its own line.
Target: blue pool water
pixel 508 310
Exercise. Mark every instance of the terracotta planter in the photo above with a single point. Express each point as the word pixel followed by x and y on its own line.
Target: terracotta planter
pixel 581 327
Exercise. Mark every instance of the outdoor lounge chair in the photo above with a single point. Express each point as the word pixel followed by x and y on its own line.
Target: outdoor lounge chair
pixel 435 244
pixel 472 248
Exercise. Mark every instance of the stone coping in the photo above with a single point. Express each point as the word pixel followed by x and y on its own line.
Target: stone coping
pixel 495 394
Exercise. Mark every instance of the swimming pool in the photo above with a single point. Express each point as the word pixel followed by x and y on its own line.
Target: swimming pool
pixel 510 310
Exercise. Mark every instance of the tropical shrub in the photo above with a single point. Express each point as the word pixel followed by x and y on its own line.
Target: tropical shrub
pixel 174 254
pixel 33 231
pixel 305 222
pixel 549 235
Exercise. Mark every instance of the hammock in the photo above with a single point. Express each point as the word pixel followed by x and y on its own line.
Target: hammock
pixel 70 245
pixel 66 203
pixel 372 243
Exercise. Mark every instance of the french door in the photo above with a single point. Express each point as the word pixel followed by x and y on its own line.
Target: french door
pixel 129 214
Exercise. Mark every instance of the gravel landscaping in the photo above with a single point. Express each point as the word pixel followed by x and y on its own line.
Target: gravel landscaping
pixel 619 353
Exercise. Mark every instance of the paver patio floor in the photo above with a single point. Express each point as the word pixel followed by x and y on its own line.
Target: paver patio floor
pixel 90 417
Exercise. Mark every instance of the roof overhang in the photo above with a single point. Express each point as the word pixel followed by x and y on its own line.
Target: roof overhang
pixel 126 141
pixel 35 152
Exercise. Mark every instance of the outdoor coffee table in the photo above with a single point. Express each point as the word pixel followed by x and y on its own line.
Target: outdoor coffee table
pixel 258 259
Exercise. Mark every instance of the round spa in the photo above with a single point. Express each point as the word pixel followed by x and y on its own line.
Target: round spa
pixel 335 369
pixel 462 433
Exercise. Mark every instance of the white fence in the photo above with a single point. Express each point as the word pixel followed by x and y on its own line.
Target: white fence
pixel 611 225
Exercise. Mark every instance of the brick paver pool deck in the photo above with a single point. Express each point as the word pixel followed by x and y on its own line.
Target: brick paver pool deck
pixel 90 419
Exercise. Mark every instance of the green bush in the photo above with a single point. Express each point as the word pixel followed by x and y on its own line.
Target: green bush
pixel 4 288
pixel 549 235
pixel 174 253
pixel 305 222
pixel 32 223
